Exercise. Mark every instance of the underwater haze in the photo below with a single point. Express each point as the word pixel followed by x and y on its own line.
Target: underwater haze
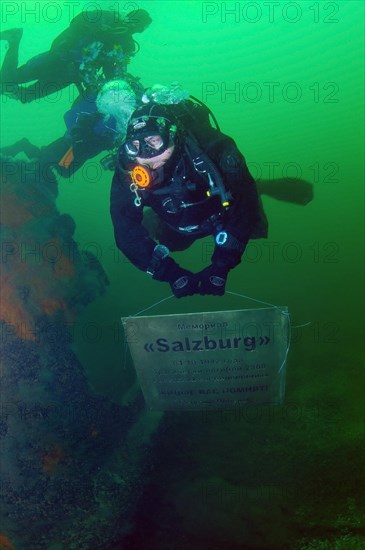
pixel 285 80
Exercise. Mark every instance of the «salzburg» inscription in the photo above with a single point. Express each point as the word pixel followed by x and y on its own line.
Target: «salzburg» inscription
pixel 249 343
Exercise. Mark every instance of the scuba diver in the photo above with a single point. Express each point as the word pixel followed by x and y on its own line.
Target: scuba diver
pixel 96 47
pixel 94 124
pixel 197 182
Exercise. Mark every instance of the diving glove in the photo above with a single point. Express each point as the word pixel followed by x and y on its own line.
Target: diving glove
pixel 184 283
pixel 212 280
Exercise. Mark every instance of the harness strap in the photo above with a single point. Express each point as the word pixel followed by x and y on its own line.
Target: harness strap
pixel 204 165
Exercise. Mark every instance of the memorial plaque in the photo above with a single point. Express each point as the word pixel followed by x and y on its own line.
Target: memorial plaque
pixel 210 360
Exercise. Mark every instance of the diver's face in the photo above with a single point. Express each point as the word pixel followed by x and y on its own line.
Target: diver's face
pixel 152 159
pixel 154 144
pixel 159 160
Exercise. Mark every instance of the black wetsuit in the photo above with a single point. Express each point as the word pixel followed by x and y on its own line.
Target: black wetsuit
pixel 180 201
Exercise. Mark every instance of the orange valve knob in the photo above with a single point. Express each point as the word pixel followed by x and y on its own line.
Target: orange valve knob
pixel 141 176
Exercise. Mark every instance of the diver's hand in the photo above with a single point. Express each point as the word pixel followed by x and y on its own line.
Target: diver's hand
pixel 185 283
pixel 212 280
pixel 182 282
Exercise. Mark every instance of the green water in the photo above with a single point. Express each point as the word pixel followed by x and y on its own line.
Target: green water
pixel 285 79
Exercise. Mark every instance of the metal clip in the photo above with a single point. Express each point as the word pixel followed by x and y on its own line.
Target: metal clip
pixel 137 201
pixel 196 163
